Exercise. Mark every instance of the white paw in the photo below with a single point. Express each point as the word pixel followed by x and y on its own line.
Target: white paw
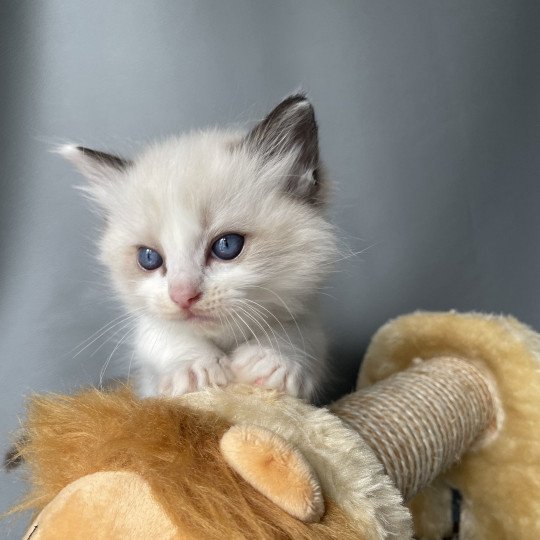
pixel 194 375
pixel 265 367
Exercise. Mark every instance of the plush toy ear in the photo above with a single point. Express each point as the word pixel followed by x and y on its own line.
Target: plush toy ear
pixel 274 468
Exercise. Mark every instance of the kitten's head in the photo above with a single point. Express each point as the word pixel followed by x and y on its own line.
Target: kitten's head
pixel 215 227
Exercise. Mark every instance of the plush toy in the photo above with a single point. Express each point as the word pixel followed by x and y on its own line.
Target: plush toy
pixel 445 419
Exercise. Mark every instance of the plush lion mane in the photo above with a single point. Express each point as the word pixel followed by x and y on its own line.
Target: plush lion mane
pixel 174 448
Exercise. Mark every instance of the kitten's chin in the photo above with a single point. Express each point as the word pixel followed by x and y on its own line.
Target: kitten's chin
pixel 193 319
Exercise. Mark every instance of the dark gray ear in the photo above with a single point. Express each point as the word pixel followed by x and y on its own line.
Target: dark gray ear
pixel 290 132
pixel 95 165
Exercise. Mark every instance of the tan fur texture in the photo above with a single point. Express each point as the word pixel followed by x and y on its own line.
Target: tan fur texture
pixel 347 469
pixel 276 469
pixel 500 481
pixel 175 450
pixel 112 504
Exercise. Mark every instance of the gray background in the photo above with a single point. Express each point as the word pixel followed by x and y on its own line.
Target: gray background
pixel 429 119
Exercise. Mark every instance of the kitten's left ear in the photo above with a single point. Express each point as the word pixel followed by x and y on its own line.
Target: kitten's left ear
pixel 95 165
pixel 290 133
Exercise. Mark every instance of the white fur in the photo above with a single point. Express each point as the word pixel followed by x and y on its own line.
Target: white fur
pixel 177 197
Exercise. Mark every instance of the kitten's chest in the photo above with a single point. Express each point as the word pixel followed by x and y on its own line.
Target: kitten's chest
pixel 160 343
pixel 226 343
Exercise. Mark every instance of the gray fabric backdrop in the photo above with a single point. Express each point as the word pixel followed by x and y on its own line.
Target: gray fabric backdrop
pixel 429 118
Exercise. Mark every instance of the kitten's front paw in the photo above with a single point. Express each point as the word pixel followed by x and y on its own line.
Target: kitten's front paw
pixel 194 375
pixel 265 367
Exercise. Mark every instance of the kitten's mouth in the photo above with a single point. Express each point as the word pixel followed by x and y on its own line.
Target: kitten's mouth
pixel 197 318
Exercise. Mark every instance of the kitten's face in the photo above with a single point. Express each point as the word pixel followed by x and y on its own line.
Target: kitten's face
pixel 228 227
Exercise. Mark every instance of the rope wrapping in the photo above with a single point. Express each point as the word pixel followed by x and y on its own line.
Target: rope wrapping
pixel 420 421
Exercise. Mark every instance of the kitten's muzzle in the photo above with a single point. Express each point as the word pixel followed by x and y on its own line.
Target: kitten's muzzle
pixel 185 296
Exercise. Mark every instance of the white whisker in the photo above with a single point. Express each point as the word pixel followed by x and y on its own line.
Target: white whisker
pixel 130 363
pixel 249 328
pixel 356 253
pixel 128 323
pixel 106 365
pixel 287 308
pixel 244 310
pixel 103 330
pixel 271 314
pixel 264 320
pixel 239 327
pixel 228 326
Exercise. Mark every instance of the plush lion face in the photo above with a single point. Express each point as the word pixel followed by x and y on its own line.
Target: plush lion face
pixel 111 463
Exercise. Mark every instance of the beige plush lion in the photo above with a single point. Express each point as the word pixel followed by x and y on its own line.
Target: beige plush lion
pixel 448 404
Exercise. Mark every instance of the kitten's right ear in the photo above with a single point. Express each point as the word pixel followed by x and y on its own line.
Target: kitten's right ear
pixel 101 169
pixel 95 165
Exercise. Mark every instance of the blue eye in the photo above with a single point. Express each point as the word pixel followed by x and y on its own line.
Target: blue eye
pixel 149 259
pixel 228 247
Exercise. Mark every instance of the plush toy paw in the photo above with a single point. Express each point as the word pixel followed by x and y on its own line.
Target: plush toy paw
pixel 262 366
pixel 196 374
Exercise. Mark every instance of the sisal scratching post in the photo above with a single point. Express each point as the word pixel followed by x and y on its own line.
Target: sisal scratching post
pixel 421 421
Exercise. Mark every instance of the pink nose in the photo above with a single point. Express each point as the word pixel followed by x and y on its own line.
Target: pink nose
pixel 185 296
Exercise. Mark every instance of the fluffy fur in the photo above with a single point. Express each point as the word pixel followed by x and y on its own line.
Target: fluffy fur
pixel 275 468
pixel 257 318
pixel 176 451
pixel 346 467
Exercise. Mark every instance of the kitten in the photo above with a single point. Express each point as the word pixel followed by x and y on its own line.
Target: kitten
pixel 218 244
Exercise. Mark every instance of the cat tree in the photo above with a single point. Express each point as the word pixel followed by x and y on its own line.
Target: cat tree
pixel 442 434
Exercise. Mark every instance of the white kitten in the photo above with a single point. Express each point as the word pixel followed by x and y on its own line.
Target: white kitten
pixel 218 243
